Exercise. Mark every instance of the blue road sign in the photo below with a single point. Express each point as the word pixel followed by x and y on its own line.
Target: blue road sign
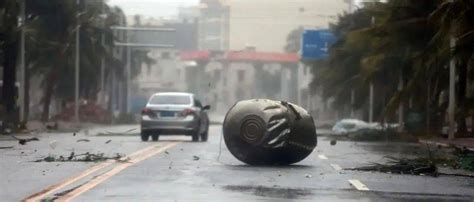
pixel 316 43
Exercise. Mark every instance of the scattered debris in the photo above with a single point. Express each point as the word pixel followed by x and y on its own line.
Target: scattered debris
pixel 52 127
pixel 83 140
pixel 7 147
pixel 420 166
pixel 130 130
pixel 85 157
pixel 71 156
pixel 166 152
pixel 333 142
pixel 402 166
pixel 53 144
pixel 196 158
pixel 74 134
pixel 308 176
pixel 24 141
pixel 109 133
pixel 108 141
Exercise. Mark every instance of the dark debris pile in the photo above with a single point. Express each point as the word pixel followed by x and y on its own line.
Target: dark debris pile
pixel 417 166
pixel 422 166
pixel 84 157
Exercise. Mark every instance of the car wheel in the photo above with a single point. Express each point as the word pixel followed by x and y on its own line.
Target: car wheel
pixel 204 136
pixel 155 137
pixel 195 136
pixel 144 136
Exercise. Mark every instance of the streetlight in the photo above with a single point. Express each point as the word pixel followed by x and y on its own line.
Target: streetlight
pixel 371 90
pixel 76 67
pixel 21 88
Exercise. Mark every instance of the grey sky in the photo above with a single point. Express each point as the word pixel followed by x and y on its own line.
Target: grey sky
pixel 152 8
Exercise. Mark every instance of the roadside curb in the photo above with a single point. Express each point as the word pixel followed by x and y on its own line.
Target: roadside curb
pixel 441 144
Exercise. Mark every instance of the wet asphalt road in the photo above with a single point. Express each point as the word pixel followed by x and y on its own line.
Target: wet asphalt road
pixel 175 169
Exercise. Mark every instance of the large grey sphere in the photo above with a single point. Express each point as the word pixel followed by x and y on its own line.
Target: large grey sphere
pixel 268 132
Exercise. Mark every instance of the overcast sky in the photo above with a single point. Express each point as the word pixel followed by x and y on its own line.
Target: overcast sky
pixel 152 8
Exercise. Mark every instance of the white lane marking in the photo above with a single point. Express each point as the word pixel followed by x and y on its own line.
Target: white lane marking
pixel 359 185
pixel 321 156
pixel 336 167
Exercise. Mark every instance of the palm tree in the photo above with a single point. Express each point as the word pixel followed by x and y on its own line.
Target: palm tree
pixel 454 21
pixel 53 24
pixel 9 32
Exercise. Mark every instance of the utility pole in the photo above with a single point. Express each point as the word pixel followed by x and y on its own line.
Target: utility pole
pixel 452 101
pixel 371 90
pixel 76 68
pixel 128 72
pixel 21 88
pixel 102 63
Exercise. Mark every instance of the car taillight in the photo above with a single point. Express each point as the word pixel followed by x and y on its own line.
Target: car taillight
pixel 146 111
pixel 187 112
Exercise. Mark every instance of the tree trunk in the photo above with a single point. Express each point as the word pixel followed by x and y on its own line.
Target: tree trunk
pixel 27 93
pixel 461 116
pixel 9 78
pixel 48 92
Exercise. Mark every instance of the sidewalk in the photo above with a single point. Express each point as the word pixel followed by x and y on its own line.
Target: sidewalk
pixel 462 143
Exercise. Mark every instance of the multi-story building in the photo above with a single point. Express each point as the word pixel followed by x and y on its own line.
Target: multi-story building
pixel 213 25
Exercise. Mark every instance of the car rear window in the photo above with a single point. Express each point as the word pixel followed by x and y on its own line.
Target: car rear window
pixel 170 100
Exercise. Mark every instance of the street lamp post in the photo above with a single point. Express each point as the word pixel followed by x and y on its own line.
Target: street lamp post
pixel 371 89
pixel 102 61
pixel 76 68
pixel 128 72
pixel 21 88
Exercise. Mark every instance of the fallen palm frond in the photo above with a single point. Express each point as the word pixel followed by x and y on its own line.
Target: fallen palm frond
pixel 402 166
pixel 420 166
